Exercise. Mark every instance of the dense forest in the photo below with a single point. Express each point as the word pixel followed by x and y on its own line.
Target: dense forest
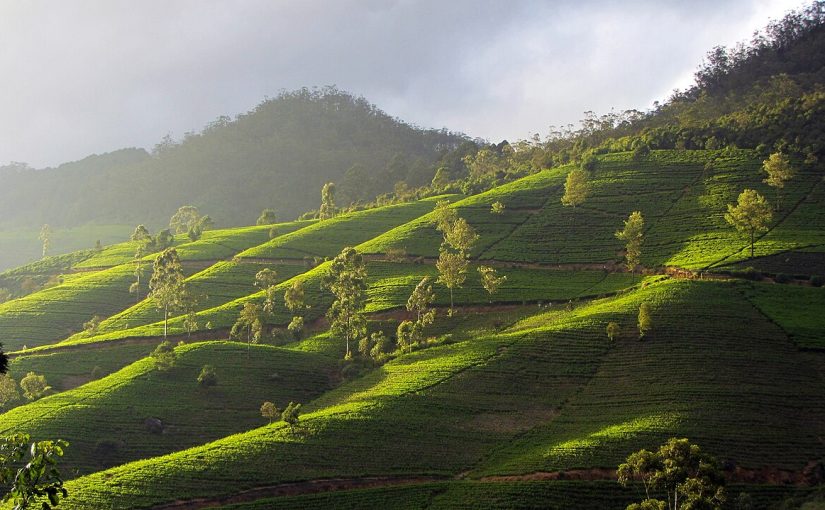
pixel 276 156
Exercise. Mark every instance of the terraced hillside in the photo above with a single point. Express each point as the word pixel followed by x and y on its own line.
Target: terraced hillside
pixel 518 400
pixel 549 394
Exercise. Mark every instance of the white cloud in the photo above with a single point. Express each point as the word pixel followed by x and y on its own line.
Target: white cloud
pixel 96 75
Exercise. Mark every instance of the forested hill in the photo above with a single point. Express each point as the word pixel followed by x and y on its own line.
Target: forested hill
pixel 278 155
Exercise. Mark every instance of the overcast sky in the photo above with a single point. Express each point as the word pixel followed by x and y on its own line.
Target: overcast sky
pixel 90 76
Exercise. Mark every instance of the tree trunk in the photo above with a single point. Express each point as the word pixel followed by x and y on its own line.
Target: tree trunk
pixel 752 234
pixel 451 301
pixel 165 321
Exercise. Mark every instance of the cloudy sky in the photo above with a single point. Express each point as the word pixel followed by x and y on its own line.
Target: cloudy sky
pixel 90 76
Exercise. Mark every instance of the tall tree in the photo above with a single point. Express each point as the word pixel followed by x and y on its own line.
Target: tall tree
pixel 576 188
pixel 143 238
pixel 420 301
pixel 633 236
pixel 452 271
pixel 266 279
pixel 751 214
pixel 46 238
pixel 167 287
pixel 250 320
pixel 690 478
pixel 779 170
pixel 460 236
pixel 347 280
pixel 327 209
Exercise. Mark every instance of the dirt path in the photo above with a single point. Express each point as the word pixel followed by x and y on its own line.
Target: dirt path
pixel 761 476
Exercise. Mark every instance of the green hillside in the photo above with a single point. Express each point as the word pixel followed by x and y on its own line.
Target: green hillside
pixel 552 356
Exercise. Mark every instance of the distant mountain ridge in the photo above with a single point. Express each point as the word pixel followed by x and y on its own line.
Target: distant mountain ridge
pixel 278 155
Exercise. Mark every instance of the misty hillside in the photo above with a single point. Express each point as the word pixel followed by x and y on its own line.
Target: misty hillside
pixel 278 155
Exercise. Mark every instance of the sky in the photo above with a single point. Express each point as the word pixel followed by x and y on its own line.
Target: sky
pixel 91 76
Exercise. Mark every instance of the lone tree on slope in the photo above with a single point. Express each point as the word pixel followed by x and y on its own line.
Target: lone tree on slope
pixel 633 236
pixel 167 286
pixel 575 188
pixel 327 209
pixel 751 214
pixel 779 170
pixel 347 280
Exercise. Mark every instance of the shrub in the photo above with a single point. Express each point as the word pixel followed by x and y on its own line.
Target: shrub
pixel 207 377
pixel 34 386
pixel 783 278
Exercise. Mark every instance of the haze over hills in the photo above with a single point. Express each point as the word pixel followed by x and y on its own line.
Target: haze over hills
pixel 278 155
pixel 506 329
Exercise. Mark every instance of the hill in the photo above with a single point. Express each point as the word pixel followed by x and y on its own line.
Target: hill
pixel 278 155
pixel 526 396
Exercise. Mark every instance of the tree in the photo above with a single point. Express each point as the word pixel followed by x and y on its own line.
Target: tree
pixel 185 219
pixel 682 471
pixel 269 411
pixel 266 278
pixel 405 335
pixel 645 319
pixel 207 378
pixel 575 188
pixel 143 238
pixel 444 216
pixel 295 297
pixel 420 300
pixel 190 322
pixel 750 215
pixel 327 209
pixel 8 390
pixel 296 327
pixel 381 345
pixel 497 208
pixel 34 386
pixel 613 331
pixel 164 356
pixel 29 470
pixel 779 170
pixel 347 280
pixel 46 238
pixel 91 326
pixel 291 415
pixel 490 280
pixel 452 271
pixel 633 236
pixel 249 319
pixel 267 217
pixel 441 179
pixel 460 236
pixel 167 286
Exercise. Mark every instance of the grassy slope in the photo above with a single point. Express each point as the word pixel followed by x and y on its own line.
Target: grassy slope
pixel 682 195
pixel 550 394
pixel 114 408
pixel 55 313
